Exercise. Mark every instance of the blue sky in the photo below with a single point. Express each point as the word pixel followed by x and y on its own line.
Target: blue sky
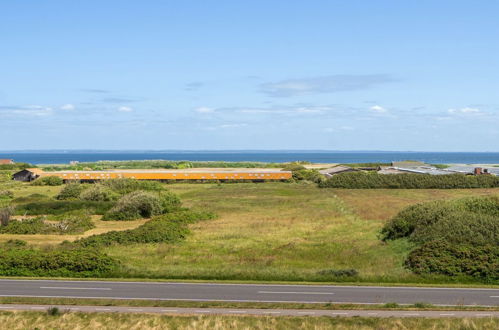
pixel 212 75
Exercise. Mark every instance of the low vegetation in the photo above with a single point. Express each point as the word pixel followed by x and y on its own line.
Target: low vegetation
pixel 373 180
pixel 20 259
pixel 452 238
pixel 59 320
pixel 48 181
pixel 68 223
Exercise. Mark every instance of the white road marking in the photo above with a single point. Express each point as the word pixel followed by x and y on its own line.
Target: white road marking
pixel 102 309
pixel 339 313
pixel 237 312
pixel 494 296
pixel 295 292
pixel 483 314
pixel 447 314
pixel 203 311
pixel 72 288
pixel 411 314
pixel 372 313
pixel 273 312
pixel 306 312
pixel 135 310
pixel 169 310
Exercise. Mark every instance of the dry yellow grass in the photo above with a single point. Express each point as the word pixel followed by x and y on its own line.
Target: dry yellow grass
pixel 116 321
pixel 382 204
pixel 100 227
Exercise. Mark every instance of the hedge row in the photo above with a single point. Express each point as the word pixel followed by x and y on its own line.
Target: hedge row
pixel 26 261
pixel 374 180
pixel 60 207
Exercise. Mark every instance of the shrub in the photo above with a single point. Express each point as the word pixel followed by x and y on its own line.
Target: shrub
pixel 142 204
pixel 48 181
pixel 126 186
pixel 167 228
pixel 70 191
pixel 27 261
pixel 98 193
pixel 60 207
pixel 373 180
pixel 5 214
pixel 453 238
pixel 69 223
pixel 440 257
pixel 308 175
pixel 135 205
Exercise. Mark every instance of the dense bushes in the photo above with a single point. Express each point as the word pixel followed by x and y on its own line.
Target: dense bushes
pixel 459 237
pixel 20 260
pixel 48 181
pixel 373 180
pixel 69 223
pixel 60 207
pixel 167 228
pixel 142 204
pixel 126 186
pixel 441 257
pixel 71 191
pixel 98 193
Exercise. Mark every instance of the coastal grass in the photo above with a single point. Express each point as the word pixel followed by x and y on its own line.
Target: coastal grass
pixel 62 320
pixel 284 232
pixel 422 306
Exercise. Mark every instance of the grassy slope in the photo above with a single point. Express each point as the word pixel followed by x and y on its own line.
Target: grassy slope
pixel 37 320
pixel 279 231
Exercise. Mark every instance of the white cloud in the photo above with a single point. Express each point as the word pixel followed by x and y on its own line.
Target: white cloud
pixel 29 110
pixel 465 110
pixel 378 108
pixel 68 107
pixel 323 85
pixel 204 110
pixel 125 109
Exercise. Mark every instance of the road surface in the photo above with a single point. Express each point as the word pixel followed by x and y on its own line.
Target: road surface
pixel 250 311
pixel 248 292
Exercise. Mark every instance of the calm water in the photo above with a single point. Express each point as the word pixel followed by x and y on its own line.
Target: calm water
pixel 257 156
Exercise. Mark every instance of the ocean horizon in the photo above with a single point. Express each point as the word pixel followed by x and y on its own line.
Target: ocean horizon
pixel 274 156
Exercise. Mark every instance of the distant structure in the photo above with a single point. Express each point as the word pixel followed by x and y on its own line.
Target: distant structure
pixel 329 172
pixel 6 161
pixel 160 175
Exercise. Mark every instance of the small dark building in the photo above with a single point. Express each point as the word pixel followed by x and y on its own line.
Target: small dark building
pixel 24 175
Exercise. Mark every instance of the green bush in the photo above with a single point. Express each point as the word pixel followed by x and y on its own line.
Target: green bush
pixel 308 175
pixel 69 223
pixel 167 228
pixel 126 186
pixel 30 199
pixel 426 221
pixel 60 207
pixel 71 191
pixel 28 261
pixel 444 258
pixel 48 181
pixel 98 193
pixel 142 204
pixel 374 180
pixel 454 238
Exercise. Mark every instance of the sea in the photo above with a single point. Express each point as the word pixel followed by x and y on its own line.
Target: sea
pixel 64 157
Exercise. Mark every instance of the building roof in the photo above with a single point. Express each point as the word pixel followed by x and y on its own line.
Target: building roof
pixel 6 161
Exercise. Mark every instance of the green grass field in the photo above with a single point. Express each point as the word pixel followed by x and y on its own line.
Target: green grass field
pixel 281 231
pixel 40 320
pixel 271 232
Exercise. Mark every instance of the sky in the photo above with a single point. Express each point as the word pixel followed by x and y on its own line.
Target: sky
pixel 261 75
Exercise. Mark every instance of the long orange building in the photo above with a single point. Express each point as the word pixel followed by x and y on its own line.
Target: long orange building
pixel 184 174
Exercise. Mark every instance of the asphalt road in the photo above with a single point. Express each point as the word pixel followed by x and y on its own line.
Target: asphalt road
pixel 248 292
pixel 266 312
